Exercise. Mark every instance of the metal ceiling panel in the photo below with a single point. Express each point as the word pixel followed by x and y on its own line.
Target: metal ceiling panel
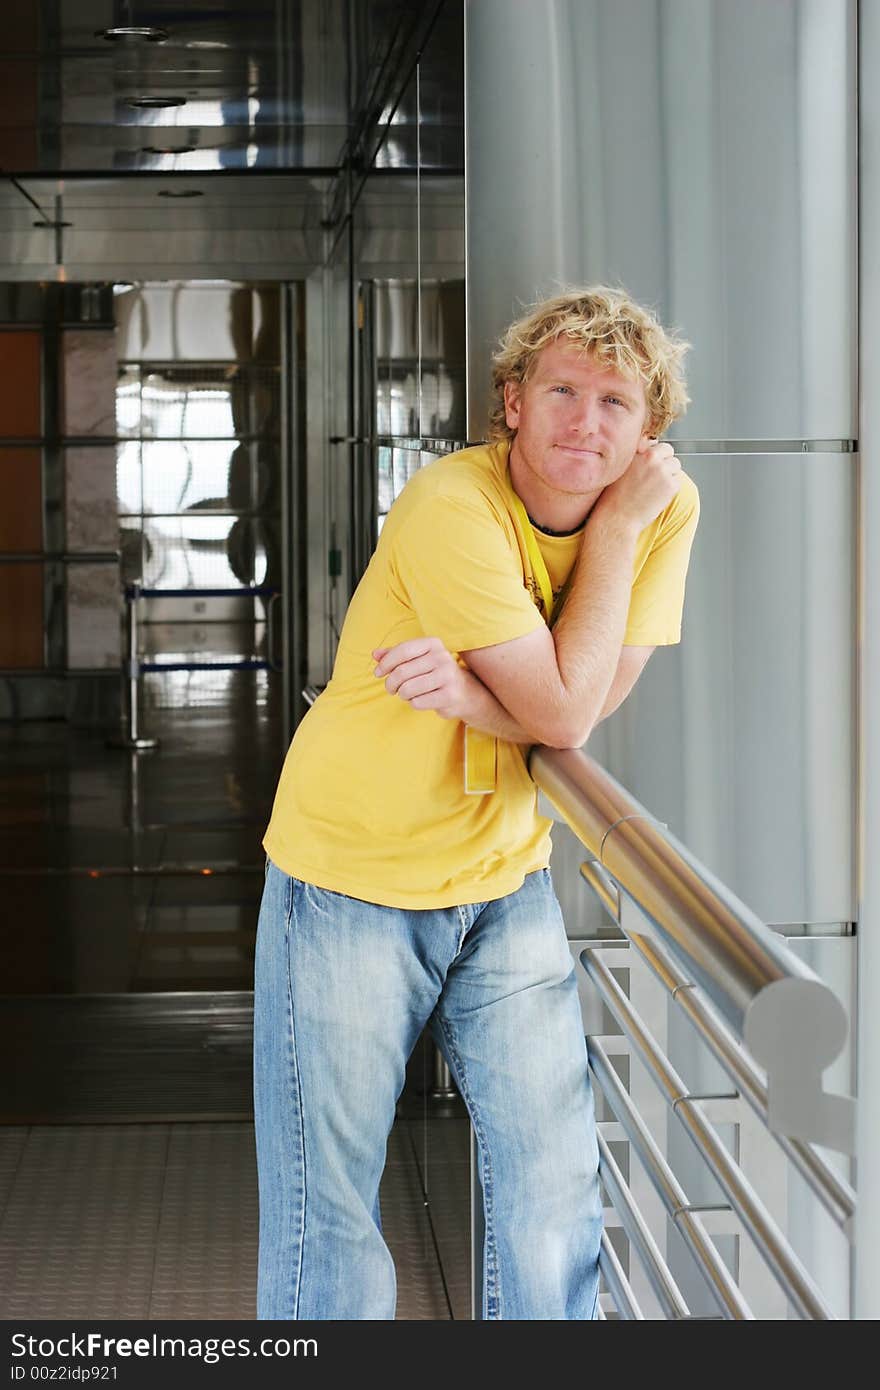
pixel 282 84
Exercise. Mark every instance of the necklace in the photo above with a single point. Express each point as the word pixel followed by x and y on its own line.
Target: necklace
pixel 548 531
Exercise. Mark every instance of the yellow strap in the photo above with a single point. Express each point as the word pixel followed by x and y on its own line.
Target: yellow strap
pixel 536 559
pixel 481 749
pixel 480 761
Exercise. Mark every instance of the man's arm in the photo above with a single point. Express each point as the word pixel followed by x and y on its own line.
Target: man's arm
pixel 426 674
pixel 556 683
pixel 632 663
pixel 490 716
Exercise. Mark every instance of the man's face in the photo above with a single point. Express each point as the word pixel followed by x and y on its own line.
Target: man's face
pixel 578 422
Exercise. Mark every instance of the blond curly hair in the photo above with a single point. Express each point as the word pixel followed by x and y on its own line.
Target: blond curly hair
pixel 614 329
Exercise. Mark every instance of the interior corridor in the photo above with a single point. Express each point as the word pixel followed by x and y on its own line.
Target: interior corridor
pixel 128 1185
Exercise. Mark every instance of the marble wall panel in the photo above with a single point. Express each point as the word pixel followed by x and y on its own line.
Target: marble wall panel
pixel 90 489
pixel 89 367
pixel 93 616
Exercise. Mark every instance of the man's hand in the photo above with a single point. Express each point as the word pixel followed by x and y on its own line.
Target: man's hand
pixel 428 676
pixel 647 486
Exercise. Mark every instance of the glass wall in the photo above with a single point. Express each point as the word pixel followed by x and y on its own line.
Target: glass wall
pixel 395 399
pixel 396 296
pixel 198 411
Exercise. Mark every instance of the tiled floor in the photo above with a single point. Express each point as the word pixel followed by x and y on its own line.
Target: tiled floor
pixel 161 1221
pixel 127 1161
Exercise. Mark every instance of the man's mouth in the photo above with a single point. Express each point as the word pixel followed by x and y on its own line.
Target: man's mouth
pixel 584 453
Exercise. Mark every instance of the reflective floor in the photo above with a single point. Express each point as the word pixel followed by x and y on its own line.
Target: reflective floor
pixel 161 1220
pixel 127 1162
pixel 102 852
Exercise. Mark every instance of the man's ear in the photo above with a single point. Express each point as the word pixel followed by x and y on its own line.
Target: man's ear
pixel 512 393
pixel 648 437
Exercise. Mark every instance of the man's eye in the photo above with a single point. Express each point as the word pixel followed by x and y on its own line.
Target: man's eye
pixel 615 399
pixel 561 388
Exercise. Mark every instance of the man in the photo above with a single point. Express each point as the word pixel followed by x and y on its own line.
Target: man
pixel 407 878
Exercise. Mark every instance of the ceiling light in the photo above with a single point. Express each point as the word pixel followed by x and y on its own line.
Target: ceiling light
pixel 181 193
pixel 134 33
pixel 150 102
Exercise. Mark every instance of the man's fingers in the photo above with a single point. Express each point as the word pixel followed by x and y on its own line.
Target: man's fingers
pixel 389 657
pixel 661 449
pixel 406 670
pixel 419 685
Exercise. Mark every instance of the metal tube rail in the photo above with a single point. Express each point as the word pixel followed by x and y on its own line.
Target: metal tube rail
pixel 670 1191
pixel 791 1022
pixel 64 557
pixel 835 1194
pixel 618 1284
pixel 636 1230
pixel 778 1255
pixel 136 591
pixel 248 663
pixel 57 672
pixel 605 889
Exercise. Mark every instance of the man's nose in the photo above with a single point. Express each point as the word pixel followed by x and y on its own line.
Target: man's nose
pixel 586 415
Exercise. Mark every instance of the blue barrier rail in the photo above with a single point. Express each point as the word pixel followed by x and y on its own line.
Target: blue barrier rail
pixel 134 667
pixel 134 591
pixel 248 664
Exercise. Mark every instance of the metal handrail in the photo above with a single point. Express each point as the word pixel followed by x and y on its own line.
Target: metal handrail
pixel 685 1216
pixel 639 1235
pixel 618 1284
pixel 791 1022
pixel 730 975
pixel 780 1258
pixel 836 1195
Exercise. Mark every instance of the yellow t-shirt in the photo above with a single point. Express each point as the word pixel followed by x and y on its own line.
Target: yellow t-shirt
pixel 371 799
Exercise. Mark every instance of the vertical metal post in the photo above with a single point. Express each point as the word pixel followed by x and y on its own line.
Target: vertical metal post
pixel 290 694
pixel 131 666
pixel 357 561
pixel 295 576
pixel 866 1290
pixel 442 1088
pixel 478 1235
pixel 130 738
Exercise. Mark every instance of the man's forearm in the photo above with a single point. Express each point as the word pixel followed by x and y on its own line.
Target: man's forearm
pixel 490 717
pixel 612 702
pixel 589 633
pixel 588 637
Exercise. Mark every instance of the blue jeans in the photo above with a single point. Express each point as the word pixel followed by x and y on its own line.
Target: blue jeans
pixel 342 991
